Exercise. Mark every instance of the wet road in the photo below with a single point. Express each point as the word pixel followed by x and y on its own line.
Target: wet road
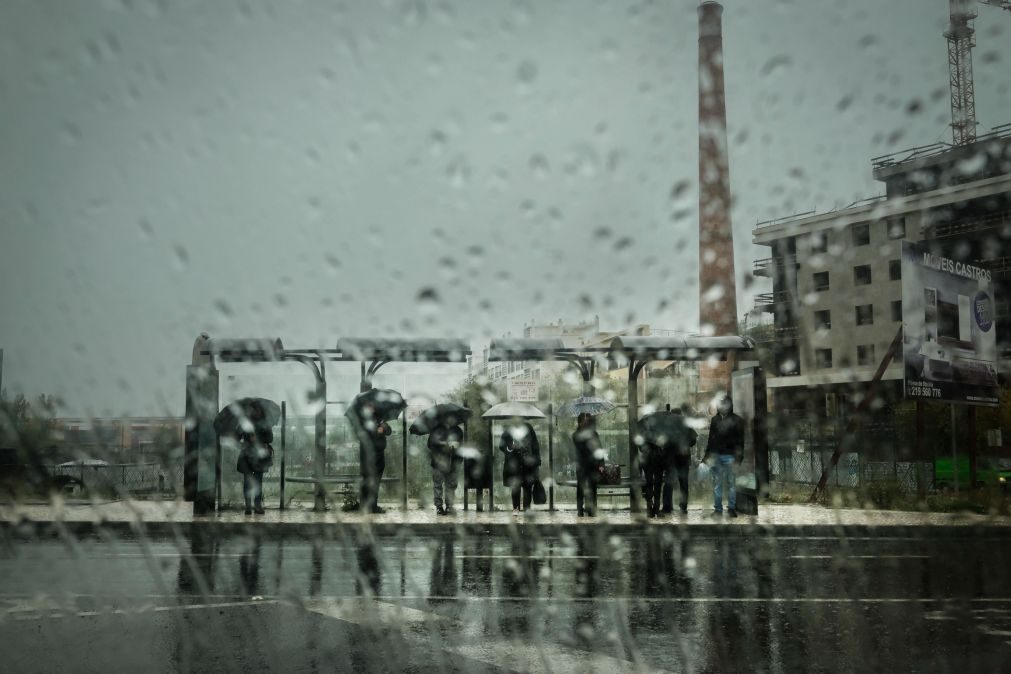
pixel 475 602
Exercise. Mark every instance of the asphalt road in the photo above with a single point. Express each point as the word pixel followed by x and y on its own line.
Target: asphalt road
pixel 473 602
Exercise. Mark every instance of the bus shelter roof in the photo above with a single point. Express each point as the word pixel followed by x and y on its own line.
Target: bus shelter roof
pixel 689 347
pixel 421 350
pixel 533 348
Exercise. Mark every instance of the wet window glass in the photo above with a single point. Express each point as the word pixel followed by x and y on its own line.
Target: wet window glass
pixel 514 335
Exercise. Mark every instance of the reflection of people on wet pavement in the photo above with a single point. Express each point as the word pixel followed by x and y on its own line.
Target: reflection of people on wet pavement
pixel 443 580
pixel 249 569
pixel 476 571
pixel 520 575
pixel 586 587
pixel 196 570
pixel 369 580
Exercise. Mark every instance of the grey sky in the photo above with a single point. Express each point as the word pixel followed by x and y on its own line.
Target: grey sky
pixel 306 169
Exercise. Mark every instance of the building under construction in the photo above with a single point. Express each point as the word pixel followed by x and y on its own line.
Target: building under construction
pixel 836 296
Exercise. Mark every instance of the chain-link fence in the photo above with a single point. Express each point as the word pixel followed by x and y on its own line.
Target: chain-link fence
pixel 805 466
pixel 135 479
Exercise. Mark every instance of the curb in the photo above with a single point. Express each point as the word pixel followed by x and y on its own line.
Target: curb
pixel 38 529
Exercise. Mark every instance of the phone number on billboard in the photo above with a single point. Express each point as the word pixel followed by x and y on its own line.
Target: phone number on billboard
pixel 924 391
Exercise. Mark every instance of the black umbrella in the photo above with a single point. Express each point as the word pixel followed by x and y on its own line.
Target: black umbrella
pixel 249 413
pixel 449 413
pixel 664 429
pixel 388 404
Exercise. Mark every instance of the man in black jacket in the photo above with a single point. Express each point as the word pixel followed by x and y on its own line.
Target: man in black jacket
pixel 725 449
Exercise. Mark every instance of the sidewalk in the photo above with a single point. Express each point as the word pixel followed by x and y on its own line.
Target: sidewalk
pixel 776 520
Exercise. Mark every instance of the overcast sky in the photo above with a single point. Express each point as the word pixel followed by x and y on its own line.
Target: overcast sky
pixel 314 170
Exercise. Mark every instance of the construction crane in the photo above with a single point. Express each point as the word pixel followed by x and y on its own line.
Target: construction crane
pixel 961 40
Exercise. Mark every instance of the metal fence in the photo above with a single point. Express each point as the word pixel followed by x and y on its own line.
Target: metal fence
pixel 129 478
pixel 805 466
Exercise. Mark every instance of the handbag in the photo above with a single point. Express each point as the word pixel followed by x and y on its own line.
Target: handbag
pixel 610 474
pixel 539 494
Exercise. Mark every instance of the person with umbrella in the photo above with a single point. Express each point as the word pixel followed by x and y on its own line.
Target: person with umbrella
pixel 443 446
pixel 256 456
pixel 372 431
pixel 589 463
pixel 522 460
pixel 442 424
pixel 677 471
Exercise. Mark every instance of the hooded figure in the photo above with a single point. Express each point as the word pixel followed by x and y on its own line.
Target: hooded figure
pixel 724 450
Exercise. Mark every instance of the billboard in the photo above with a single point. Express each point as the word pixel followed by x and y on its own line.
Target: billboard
pixel 949 346
pixel 522 390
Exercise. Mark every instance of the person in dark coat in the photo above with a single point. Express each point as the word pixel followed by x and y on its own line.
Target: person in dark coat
pixel 522 460
pixel 256 456
pixel 725 449
pixel 589 462
pixel 654 466
pixel 372 433
pixel 680 464
pixel 443 445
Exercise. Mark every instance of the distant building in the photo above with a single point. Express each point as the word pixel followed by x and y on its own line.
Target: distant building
pixel 836 297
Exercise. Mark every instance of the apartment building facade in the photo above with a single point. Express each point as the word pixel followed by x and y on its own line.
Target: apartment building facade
pixel 836 277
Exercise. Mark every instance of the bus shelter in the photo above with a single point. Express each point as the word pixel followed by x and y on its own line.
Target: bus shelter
pixel 202 462
pixel 636 352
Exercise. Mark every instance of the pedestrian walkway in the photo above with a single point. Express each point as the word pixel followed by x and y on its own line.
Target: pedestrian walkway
pixel 780 518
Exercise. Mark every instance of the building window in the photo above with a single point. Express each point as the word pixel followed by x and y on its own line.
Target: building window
pixel 896 228
pixel 823 319
pixel 865 354
pixel 861 234
pixel 819 242
pixel 897 311
pixel 821 281
pixel 823 358
pixel 895 270
pixel 862 275
pixel 865 314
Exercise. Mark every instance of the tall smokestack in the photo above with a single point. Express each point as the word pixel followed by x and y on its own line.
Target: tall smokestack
pixel 717 287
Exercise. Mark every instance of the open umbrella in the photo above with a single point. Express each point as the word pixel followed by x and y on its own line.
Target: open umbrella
pixel 388 404
pixel 450 413
pixel 508 410
pixel 585 405
pixel 250 413
pixel 664 429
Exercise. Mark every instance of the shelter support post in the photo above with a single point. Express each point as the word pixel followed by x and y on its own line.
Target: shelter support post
pixel 551 457
pixel 634 368
pixel 971 427
pixel 403 463
pixel 857 416
pixel 921 486
pixel 284 428
pixel 491 457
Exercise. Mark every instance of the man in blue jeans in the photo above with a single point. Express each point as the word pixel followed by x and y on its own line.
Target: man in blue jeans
pixel 724 450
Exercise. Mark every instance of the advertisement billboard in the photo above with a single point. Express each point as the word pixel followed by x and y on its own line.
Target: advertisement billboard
pixel 522 390
pixel 949 346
